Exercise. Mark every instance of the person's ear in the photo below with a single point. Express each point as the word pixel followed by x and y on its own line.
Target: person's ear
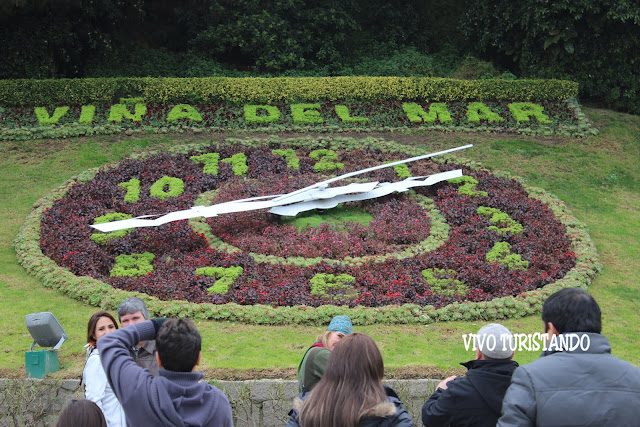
pixel 197 361
pixel 551 329
pixel 160 361
pixel 478 354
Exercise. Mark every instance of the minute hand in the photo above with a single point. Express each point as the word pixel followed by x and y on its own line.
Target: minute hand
pixel 359 172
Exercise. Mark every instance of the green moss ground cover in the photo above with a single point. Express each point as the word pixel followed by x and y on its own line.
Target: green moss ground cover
pixel 598 178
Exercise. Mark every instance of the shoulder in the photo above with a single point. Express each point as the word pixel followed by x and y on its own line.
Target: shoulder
pixel 382 409
pixel 94 360
pixel 457 387
pixel 319 355
pixel 390 412
pixel 319 350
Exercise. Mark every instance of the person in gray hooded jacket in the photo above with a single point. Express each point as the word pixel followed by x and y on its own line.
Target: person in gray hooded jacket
pixel 576 382
pixel 177 397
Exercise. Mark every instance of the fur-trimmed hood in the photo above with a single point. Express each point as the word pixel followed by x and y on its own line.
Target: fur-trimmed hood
pixel 382 409
pixel 387 413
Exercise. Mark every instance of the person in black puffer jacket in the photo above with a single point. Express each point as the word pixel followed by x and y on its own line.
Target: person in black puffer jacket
pixel 475 400
pixel 351 394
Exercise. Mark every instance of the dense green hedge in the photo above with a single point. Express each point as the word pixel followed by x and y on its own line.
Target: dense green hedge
pixel 275 90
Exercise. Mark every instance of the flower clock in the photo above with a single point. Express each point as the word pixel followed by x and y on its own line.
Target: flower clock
pixel 476 246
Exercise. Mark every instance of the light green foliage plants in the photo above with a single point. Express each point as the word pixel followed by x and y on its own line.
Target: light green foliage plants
pixel 501 253
pixel 443 282
pixel 343 112
pixel 402 170
pixel 468 187
pixel 132 100
pixel 184 111
pixel 251 113
pixel 333 287
pixel 225 277
pixel 86 114
pixel 336 216
pixel 437 110
pixel 504 223
pixel 477 111
pixel 134 265
pixel 279 90
pixel 327 160
pixel 132 188
pixel 306 113
pixel 104 238
pixel 43 115
pixel 523 111
pixel 210 162
pixel 176 187
pixel 119 112
pixel 289 155
pixel 238 163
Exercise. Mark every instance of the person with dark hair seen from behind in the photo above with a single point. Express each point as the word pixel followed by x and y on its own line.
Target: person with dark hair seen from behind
pixel 177 396
pixel 97 388
pixel 313 362
pixel 131 311
pixel 576 382
pixel 81 412
pixel 350 392
pixel 476 399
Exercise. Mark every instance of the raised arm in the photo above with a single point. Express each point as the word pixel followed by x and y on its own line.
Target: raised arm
pixel 126 378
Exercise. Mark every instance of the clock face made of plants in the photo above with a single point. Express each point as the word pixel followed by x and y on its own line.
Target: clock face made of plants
pixel 473 238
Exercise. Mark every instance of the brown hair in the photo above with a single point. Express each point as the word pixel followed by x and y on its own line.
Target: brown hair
pixel 81 412
pixel 351 384
pixel 93 321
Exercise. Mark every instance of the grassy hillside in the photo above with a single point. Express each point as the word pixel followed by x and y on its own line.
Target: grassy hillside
pixel 599 178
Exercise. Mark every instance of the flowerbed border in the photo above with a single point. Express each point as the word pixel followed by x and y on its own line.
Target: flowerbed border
pixel 582 128
pixel 101 294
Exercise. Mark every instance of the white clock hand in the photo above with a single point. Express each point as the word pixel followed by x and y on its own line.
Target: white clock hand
pixel 313 192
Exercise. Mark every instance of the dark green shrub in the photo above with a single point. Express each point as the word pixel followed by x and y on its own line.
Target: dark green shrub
pixel 594 42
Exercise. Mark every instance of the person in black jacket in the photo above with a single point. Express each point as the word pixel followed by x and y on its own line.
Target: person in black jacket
pixel 475 400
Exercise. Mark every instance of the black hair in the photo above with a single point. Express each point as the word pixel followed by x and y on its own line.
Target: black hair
pixel 178 343
pixel 81 412
pixel 572 310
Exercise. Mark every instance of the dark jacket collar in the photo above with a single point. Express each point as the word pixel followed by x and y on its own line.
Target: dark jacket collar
pixel 494 364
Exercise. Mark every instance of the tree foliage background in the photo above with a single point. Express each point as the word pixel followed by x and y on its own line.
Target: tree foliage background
pixel 595 42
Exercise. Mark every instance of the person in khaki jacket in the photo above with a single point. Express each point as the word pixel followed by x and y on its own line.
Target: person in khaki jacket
pixel 131 311
pixel 576 382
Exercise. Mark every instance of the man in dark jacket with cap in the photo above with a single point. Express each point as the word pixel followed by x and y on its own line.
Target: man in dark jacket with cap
pixel 475 400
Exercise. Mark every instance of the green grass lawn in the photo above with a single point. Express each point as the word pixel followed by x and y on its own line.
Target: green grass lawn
pixel 599 178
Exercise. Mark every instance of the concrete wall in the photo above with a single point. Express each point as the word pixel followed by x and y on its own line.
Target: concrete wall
pixel 255 403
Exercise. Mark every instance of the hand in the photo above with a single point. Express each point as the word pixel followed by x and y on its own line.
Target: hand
pixel 443 384
pixel 157 323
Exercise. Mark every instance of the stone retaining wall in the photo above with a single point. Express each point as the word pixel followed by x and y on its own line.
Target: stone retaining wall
pixel 255 403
